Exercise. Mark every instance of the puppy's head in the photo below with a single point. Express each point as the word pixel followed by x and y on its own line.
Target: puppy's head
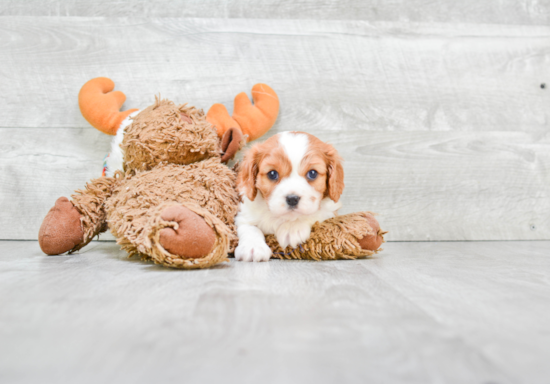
pixel 293 171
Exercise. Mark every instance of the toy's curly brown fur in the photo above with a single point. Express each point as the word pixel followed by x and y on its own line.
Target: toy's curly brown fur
pixel 333 239
pixel 172 157
pixel 206 187
pixel 90 202
pixel 168 134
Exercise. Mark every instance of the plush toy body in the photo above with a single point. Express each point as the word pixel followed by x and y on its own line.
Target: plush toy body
pixel 173 201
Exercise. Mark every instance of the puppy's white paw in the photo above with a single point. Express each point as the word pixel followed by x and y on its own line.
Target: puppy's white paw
pixel 253 251
pixel 300 236
pixel 294 235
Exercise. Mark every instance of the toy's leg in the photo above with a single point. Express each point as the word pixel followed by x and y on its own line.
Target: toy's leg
pixel 70 225
pixel 373 239
pixel 174 235
pixel 351 236
pixel 192 238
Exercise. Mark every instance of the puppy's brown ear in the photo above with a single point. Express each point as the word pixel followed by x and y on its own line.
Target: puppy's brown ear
pixel 335 180
pixel 248 171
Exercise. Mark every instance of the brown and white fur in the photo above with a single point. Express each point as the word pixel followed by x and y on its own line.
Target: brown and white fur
pixel 289 205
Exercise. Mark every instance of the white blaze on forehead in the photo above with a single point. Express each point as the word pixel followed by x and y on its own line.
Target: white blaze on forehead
pixel 295 146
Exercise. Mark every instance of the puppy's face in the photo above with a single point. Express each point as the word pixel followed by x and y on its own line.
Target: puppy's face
pixel 293 171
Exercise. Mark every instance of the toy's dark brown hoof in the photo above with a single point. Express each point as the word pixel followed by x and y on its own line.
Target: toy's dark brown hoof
pixel 193 239
pixel 373 241
pixel 61 229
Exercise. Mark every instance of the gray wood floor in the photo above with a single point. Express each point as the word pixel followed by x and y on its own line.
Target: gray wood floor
pixel 455 312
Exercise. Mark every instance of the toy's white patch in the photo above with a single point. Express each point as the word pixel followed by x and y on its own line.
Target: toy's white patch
pixel 116 156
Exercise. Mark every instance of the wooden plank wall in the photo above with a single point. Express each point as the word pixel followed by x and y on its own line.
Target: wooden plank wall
pixel 527 12
pixel 438 110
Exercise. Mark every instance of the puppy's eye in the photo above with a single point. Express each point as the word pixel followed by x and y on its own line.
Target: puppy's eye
pixel 312 175
pixel 272 175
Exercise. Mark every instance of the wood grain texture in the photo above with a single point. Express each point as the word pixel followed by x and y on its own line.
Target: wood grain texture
pixel 444 127
pixel 331 75
pixel 417 313
pixel 529 12
pixel 37 167
pixel 425 185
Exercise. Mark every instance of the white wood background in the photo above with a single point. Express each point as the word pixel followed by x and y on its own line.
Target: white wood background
pixel 437 108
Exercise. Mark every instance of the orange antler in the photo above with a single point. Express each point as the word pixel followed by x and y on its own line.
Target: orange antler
pixel 100 106
pixel 253 120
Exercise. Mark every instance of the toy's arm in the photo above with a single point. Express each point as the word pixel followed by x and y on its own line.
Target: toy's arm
pixel 253 120
pixel 70 225
pixel 100 106
pixel 350 236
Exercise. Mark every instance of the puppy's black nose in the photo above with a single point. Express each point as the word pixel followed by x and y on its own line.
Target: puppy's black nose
pixel 292 200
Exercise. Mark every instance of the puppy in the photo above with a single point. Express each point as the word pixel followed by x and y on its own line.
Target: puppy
pixel 287 183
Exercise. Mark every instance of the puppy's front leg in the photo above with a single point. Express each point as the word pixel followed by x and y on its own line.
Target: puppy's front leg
pixel 252 246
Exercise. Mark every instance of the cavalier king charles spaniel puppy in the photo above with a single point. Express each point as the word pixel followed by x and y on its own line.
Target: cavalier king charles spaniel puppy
pixel 287 184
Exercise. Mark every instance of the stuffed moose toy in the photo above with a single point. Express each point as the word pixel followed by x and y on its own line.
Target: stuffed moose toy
pixel 168 196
